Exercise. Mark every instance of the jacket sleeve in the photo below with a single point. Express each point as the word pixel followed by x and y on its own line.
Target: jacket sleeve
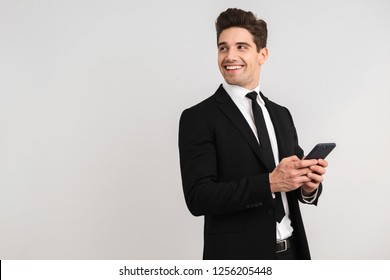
pixel 299 153
pixel 204 194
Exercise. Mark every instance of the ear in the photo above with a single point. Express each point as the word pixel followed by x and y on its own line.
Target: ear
pixel 262 56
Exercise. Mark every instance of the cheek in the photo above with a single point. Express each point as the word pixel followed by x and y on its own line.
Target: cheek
pixel 220 59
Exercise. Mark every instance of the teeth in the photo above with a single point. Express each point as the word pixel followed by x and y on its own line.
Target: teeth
pixel 234 67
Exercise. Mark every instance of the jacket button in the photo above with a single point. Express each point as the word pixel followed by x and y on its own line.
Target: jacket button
pixel 271 212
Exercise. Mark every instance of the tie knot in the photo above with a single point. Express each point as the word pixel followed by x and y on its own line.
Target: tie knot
pixel 252 95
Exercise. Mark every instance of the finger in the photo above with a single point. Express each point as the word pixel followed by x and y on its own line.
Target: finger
pixel 315 177
pixel 302 172
pixel 297 182
pixel 305 163
pixel 312 185
pixel 323 163
pixel 302 180
pixel 318 169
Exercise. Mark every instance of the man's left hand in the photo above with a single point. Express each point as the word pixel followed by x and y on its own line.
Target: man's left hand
pixel 316 177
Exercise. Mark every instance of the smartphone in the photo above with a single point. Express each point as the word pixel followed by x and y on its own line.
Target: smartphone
pixel 320 151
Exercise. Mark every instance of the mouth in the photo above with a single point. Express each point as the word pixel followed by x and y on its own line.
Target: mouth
pixel 233 67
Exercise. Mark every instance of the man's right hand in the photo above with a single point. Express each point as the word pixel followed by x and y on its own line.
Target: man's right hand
pixel 290 174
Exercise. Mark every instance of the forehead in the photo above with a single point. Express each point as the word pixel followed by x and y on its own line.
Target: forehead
pixel 234 35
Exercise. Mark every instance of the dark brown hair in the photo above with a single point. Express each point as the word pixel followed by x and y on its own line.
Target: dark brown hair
pixel 233 17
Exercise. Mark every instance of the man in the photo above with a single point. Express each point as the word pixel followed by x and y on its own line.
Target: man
pixel 235 170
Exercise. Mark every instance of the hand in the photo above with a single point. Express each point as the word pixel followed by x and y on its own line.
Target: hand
pixel 316 177
pixel 292 172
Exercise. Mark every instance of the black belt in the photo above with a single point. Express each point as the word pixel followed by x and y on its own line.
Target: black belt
pixel 283 245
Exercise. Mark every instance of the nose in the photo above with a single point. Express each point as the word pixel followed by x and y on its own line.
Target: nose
pixel 231 55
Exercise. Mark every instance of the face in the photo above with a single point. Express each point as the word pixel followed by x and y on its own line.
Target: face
pixel 238 59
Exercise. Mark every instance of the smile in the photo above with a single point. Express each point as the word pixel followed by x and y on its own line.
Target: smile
pixel 233 67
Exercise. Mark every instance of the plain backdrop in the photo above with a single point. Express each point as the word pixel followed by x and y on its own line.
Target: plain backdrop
pixel 90 98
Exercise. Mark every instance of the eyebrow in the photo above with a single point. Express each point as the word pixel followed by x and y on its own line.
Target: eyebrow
pixel 243 43
pixel 238 43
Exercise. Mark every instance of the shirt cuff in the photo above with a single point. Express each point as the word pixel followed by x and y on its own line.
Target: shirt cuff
pixel 309 198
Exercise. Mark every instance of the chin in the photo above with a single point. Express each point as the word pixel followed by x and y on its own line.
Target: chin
pixel 232 82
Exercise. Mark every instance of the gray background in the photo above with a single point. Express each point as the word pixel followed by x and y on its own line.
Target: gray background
pixel 90 97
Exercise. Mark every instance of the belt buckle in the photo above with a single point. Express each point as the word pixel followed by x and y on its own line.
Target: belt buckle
pixel 284 242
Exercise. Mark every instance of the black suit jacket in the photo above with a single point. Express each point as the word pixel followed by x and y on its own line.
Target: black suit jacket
pixel 226 179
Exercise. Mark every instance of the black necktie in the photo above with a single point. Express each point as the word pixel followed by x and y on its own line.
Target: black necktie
pixel 265 145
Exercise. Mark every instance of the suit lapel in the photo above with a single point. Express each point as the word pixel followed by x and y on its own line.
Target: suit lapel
pixel 229 108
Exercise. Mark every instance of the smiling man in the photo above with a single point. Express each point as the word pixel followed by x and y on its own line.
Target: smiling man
pixel 240 160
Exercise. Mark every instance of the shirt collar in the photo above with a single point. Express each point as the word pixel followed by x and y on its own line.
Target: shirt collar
pixel 237 92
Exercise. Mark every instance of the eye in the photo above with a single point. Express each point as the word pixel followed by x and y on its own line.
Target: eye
pixel 242 47
pixel 222 49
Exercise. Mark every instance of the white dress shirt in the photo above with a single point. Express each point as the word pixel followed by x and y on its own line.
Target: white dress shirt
pixel 238 94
